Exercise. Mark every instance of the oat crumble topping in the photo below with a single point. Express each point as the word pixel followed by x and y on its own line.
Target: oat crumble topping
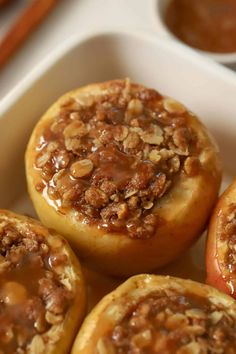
pixel 32 297
pixel 111 157
pixel 171 323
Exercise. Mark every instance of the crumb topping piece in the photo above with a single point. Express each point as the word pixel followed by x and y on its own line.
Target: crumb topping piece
pixel 166 322
pixel 32 297
pixel 112 156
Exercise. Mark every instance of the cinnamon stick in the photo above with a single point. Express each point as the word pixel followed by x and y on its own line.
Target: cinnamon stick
pixel 24 26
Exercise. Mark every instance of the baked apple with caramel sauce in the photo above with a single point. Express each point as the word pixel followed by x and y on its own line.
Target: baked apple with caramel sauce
pixel 121 171
pixel 42 292
pixel 221 243
pixel 162 315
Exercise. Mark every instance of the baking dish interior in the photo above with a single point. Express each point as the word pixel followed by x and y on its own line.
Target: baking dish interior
pixel 201 85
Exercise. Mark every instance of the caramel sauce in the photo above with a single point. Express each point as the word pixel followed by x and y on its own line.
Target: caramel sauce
pixel 14 303
pixel 116 165
pixel 208 25
pixel 28 271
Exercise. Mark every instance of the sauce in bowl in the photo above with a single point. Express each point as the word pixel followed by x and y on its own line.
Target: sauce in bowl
pixel 208 25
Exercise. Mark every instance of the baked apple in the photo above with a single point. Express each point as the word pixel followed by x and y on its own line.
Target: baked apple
pixel 221 243
pixel 121 171
pixel 162 315
pixel 42 293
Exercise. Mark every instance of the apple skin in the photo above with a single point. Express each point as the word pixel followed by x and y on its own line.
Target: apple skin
pixel 215 265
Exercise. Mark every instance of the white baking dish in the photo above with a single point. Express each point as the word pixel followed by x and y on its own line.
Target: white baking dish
pixel 205 87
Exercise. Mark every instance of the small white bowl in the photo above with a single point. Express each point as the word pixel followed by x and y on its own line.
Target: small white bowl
pixel 158 14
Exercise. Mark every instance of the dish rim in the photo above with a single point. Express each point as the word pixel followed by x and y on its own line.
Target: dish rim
pixel 69 44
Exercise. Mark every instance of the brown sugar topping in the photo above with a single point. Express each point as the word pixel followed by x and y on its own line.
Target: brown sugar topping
pixel 171 323
pixel 112 156
pixel 32 297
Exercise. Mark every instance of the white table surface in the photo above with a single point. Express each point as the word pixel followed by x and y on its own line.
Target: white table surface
pixel 69 17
